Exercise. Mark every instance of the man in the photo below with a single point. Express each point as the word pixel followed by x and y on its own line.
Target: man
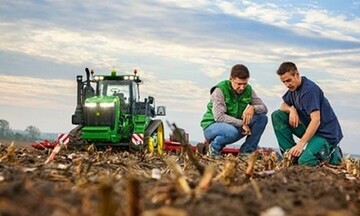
pixel 234 112
pixel 306 113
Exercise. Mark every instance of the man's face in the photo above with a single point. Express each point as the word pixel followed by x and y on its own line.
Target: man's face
pixel 292 82
pixel 238 84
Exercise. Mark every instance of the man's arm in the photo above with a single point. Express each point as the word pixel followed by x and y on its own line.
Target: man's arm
pixel 286 108
pixel 258 104
pixel 294 119
pixel 312 127
pixel 219 109
pixel 309 133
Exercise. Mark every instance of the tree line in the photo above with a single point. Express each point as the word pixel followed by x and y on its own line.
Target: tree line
pixel 31 132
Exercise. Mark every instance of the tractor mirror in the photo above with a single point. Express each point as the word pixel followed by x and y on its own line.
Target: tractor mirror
pixel 161 111
pixel 151 99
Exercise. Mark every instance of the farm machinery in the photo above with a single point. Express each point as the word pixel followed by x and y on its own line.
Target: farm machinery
pixel 176 140
pixel 111 113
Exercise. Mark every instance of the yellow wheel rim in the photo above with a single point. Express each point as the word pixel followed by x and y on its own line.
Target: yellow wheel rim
pixel 160 139
pixel 151 144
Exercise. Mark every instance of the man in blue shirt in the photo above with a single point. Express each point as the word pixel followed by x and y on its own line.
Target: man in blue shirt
pixel 307 114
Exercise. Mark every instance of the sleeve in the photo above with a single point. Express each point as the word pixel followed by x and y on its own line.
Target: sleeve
pixel 219 109
pixel 258 104
pixel 311 100
pixel 287 98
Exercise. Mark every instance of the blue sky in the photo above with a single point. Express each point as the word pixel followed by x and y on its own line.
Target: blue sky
pixel 181 48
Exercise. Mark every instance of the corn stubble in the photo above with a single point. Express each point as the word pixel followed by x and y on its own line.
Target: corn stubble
pixel 114 180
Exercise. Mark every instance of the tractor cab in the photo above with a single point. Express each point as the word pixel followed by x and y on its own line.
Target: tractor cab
pixel 125 88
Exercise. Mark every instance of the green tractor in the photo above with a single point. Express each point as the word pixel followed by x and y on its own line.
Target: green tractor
pixel 113 115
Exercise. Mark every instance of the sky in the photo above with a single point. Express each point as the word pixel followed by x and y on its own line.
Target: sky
pixel 181 49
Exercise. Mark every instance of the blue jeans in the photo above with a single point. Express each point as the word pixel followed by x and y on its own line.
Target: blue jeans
pixel 219 134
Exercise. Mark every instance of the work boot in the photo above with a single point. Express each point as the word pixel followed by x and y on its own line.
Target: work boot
pixel 213 153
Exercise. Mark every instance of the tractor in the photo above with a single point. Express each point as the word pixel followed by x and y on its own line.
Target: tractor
pixel 111 114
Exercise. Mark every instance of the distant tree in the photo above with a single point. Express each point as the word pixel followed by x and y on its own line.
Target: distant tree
pixel 5 131
pixel 19 136
pixel 33 132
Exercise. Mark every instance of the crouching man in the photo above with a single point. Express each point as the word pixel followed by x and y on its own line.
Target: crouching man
pixel 307 114
pixel 234 112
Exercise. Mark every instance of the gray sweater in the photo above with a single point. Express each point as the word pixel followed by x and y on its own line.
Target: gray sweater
pixel 219 107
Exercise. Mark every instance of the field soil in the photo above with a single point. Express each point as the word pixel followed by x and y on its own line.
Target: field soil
pixel 114 182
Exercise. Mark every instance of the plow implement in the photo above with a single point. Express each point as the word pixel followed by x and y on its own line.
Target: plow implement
pixel 62 138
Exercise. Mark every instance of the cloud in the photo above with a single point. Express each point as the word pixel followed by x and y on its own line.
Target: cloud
pixel 325 19
pixel 115 45
pixel 63 45
pixel 178 95
pixel 338 88
pixel 214 72
pixel 35 92
pixel 307 22
pixel 70 45
pixel 341 86
pixel 347 123
pixel 276 90
pixel 266 13
pixel 187 3
pixel 317 23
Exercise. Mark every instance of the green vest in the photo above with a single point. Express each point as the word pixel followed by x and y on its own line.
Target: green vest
pixel 235 103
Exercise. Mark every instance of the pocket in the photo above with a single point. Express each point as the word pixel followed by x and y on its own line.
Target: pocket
pixel 323 154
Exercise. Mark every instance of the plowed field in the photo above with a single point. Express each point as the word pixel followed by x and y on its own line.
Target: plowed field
pixel 112 182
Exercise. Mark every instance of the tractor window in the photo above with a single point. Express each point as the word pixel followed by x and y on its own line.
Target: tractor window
pixel 135 92
pixel 115 88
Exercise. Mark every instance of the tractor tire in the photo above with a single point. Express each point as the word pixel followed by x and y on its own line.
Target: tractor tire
pixel 154 137
pixel 75 140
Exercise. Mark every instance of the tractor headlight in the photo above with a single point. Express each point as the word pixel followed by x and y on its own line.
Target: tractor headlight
pixel 90 105
pixel 97 78
pixel 107 105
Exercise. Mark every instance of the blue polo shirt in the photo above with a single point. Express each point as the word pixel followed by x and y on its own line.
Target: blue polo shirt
pixel 308 97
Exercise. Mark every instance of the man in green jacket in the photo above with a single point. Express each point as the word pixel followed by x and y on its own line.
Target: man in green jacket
pixel 234 112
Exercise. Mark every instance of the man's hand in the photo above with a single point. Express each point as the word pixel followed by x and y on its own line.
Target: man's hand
pixel 294 119
pixel 297 150
pixel 248 114
pixel 246 130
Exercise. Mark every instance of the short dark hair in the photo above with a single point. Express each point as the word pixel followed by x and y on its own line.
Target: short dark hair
pixel 239 71
pixel 287 67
